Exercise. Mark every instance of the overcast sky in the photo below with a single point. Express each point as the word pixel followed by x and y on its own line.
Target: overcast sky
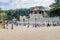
pixel 13 4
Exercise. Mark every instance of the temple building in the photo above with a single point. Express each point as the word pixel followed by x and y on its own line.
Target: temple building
pixel 38 16
pixel 39 13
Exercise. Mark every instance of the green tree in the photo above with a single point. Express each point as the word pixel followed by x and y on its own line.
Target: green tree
pixel 20 12
pixel 54 11
pixel 10 14
pixel 2 14
pixel 57 2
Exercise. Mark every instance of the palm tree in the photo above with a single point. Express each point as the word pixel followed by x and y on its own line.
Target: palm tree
pixel 57 1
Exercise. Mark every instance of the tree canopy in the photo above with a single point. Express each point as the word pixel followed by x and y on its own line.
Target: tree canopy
pixel 55 9
pixel 18 12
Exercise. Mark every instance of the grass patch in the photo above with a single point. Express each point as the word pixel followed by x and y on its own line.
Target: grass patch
pixel 1 27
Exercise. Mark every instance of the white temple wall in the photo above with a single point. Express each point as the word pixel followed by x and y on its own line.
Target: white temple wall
pixel 40 20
